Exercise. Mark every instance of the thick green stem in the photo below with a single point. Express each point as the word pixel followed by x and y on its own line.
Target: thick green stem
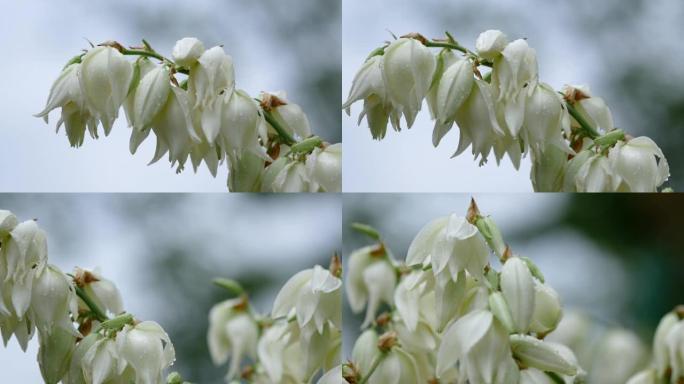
pixel 94 308
pixel 285 137
pixel 584 124
pixel 155 55
pixel 376 363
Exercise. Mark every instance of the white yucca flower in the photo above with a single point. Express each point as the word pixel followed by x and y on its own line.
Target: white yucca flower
pixel 407 68
pixel 53 300
pixel 618 355
pixel 104 78
pixel 640 164
pixel 396 366
pixel 102 291
pixel 324 166
pixel 592 108
pixel 517 286
pixel 289 115
pixel 490 43
pixel 371 279
pixel 286 175
pixel 369 86
pixel 66 94
pixel 187 51
pixel 147 349
pixel 543 355
pixel 233 334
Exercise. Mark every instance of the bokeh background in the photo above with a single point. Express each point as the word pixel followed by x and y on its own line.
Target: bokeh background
pixel 289 45
pixel 162 251
pixel 619 259
pixel 628 51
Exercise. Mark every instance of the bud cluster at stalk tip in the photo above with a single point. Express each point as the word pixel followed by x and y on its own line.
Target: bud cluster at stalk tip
pixel 570 136
pixel 192 106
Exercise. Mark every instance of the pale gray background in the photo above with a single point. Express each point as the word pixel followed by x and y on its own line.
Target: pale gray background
pixel 292 45
pixel 628 51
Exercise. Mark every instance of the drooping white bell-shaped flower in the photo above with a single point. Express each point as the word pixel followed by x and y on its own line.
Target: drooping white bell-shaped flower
pixel 105 76
pixel 592 108
pixel 280 354
pixel 549 168
pixel 150 97
pixel 53 301
pixel 313 296
pixel 514 78
pixel 289 115
pixel 408 296
pixel 187 51
pixel 211 82
pixel 572 169
pixel 147 349
pixel 640 163
pixel 325 167
pixel 545 356
pixel 453 89
pixel 24 253
pixel 453 244
pixel 102 291
pixel 371 279
pixel 480 343
pixel 675 348
pixel 286 175
pixel 546 119
pixel 407 69
pixel 245 173
pixel 596 175
pixel 75 115
pixel 102 363
pixel 490 43
pixel 396 367
pixel 75 373
pixel 239 124
pixel 174 129
pixel 55 352
pixel 368 81
pixel 517 286
pixel 233 334
pixel 478 126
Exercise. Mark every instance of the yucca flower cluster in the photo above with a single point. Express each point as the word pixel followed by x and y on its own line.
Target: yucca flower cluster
pixel 192 106
pixel 300 340
pixel 450 316
pixel 501 108
pixel 83 332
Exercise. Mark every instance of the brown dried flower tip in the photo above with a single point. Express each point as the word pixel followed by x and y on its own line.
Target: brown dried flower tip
pixel 383 319
pixel 113 44
pixel 336 265
pixel 387 341
pixel 350 373
pixel 416 36
pixel 573 95
pixel 83 277
pixel 269 101
pixel 473 212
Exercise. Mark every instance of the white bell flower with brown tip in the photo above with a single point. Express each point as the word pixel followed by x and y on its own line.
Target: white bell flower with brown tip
pixel 453 245
pixel 395 365
pixel 102 291
pixel 147 349
pixel 233 334
pixel 289 115
pixel 408 67
pixel 371 279
pixel 592 108
pixel 105 76
pixel 640 164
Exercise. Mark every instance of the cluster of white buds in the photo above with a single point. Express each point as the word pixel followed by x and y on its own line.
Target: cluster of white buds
pixel 570 136
pixel 79 343
pixel 451 317
pixel 299 341
pixel 266 142
pixel 668 352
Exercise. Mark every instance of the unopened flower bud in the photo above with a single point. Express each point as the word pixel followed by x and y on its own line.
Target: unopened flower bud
pixel 499 308
pixel 547 309
pixel 150 97
pixel 54 354
pixel 490 43
pixel 453 89
pixel 186 51
pixel 541 355
pixel 517 286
